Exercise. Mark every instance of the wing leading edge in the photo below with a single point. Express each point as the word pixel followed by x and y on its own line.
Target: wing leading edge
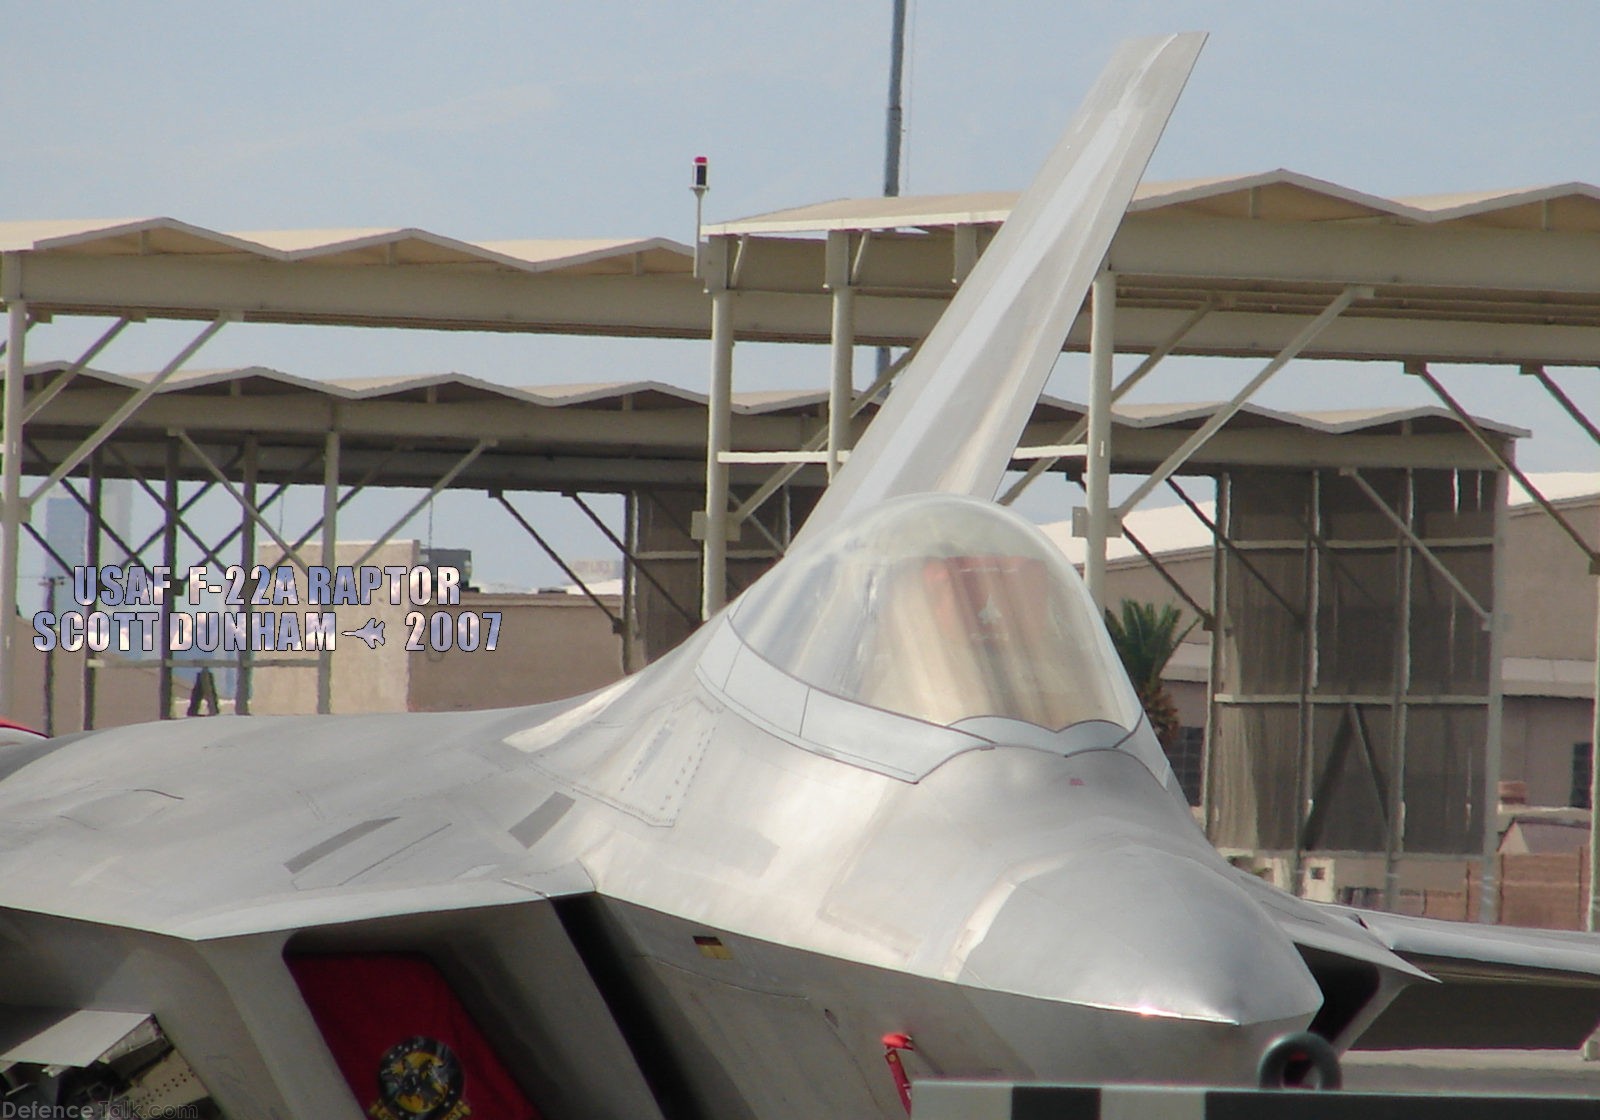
pixel 1500 987
pixel 958 409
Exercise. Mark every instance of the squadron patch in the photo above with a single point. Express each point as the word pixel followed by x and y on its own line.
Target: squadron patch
pixel 419 1079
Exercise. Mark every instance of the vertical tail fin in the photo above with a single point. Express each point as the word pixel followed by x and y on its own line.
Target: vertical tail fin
pixel 959 408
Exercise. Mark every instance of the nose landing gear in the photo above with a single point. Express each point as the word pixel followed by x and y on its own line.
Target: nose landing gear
pixel 1299 1061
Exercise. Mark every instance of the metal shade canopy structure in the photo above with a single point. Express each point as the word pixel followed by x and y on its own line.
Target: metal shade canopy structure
pixel 1276 266
pixel 1273 266
pixel 162 268
pixel 261 429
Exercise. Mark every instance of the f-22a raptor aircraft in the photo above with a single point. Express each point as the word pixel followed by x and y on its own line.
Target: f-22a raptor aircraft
pixel 901 786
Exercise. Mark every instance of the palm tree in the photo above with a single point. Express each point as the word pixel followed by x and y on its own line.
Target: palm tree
pixel 1146 637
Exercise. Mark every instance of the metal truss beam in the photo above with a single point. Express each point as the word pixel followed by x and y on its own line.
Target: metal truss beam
pixel 49 550
pixel 249 510
pixel 1420 369
pixel 1462 262
pixel 373 470
pixel 1208 621
pixel 1076 431
pixel 127 409
pixel 817 440
pixel 68 375
pixel 616 621
pixel 449 476
pixel 13 511
pixel 1210 428
pixel 1229 546
pixel 638 565
pixel 1419 545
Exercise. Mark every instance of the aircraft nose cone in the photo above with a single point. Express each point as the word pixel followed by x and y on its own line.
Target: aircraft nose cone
pixel 1145 931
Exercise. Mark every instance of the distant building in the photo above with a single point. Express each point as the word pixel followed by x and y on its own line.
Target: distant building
pixel 66 526
pixel 66 532
pixel 1547 678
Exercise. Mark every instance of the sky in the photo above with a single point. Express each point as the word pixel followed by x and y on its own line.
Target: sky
pixel 509 120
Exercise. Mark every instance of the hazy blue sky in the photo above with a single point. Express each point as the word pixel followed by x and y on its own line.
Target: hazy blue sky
pixel 494 120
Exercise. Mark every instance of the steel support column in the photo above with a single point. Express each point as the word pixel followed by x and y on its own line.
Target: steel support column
pixel 1489 885
pixel 330 556
pixel 96 535
pixel 1075 432
pixel 1592 914
pixel 1222 612
pixel 841 346
pixel 1399 727
pixel 169 557
pixel 245 667
pixel 714 566
pixel 12 510
pixel 1097 468
pixel 1310 609
pixel 630 607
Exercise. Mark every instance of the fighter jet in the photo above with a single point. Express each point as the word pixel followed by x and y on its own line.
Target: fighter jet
pixel 899 788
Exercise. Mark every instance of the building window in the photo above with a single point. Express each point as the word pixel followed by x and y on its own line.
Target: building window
pixel 1186 756
pixel 1582 760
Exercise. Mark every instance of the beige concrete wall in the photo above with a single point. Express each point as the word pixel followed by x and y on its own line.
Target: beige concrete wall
pixel 1192 699
pixel 550 647
pixel 363 679
pixel 1549 591
pixel 1538 733
pixel 124 694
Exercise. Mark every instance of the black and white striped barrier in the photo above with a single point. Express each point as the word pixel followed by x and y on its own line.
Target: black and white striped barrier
pixel 1005 1100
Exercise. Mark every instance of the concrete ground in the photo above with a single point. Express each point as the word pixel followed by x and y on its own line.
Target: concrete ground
pixel 1525 1072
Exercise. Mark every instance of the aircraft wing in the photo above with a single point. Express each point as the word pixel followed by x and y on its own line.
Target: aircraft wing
pixel 956 412
pixel 1501 987
pixel 1394 982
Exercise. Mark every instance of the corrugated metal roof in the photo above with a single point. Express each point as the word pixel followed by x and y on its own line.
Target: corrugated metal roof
pixel 1279 195
pixel 380 247
pixel 441 387
pixel 259 380
pixel 1333 422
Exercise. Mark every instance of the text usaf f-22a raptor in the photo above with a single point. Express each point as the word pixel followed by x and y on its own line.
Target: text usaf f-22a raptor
pixel 900 786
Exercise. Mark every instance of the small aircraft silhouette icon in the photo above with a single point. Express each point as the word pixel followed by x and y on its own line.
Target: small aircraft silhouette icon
pixel 371 633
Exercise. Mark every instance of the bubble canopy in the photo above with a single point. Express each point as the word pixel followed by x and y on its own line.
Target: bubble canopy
pixel 945 609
